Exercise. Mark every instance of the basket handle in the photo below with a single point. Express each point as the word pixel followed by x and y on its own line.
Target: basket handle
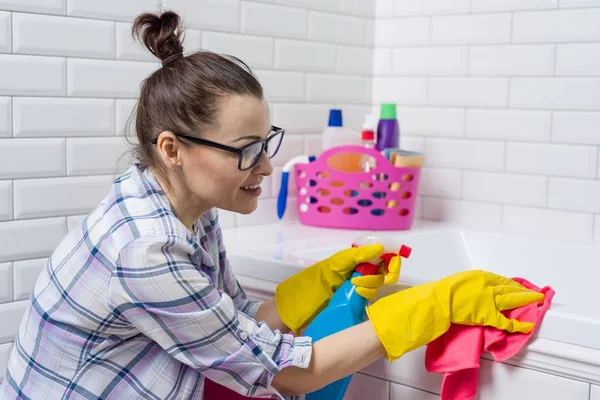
pixel 381 160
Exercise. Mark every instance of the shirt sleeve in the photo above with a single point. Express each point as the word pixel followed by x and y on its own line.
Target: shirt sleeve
pixel 160 286
pixel 230 284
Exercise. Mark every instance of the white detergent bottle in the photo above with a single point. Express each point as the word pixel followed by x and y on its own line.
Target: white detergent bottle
pixel 336 135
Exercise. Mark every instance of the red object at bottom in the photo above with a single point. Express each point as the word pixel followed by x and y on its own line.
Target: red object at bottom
pixel 214 391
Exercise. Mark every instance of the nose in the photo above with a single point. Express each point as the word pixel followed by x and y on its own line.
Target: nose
pixel 263 167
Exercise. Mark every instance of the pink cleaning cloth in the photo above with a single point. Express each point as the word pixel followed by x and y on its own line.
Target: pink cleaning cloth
pixel 456 353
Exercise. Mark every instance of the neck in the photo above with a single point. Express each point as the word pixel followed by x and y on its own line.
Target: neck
pixel 188 208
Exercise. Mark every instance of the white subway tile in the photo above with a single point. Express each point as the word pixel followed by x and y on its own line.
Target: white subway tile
pixel 336 28
pixel 440 183
pixel 549 223
pixel 328 5
pixel 354 117
pixel 304 56
pixel 313 145
pixel 74 220
pixel 400 392
pixel 106 78
pixel 509 124
pixel 557 26
pixel 220 15
pixel 477 92
pixel 413 143
pixel 384 8
pixel 511 60
pixel 5 117
pixel 129 48
pixel 227 219
pixel 505 188
pixel 5 350
pixel 471 29
pixel 468 154
pixel 511 5
pixel 292 146
pixel 5 33
pixel 62 196
pixel 30 238
pixel 36 6
pixel 336 88
pixel 598 174
pixel 282 86
pixel 6 292
pixel 578 59
pixel 597 237
pixel 576 127
pixel 26 273
pixel 6 204
pixel 300 118
pixel 93 156
pixel 431 121
pixel 273 20
pixel 555 93
pixel 465 213
pixel 409 91
pixel 255 51
pixel 11 315
pixel 355 60
pixel 265 213
pixel 382 61
pixel 401 31
pixel 32 75
pixel 111 9
pixel 53 36
pixel 367 387
pixel 431 7
pixel 40 117
pixel 579 3
pixel 123 112
pixel 574 194
pixel 552 159
pixel 430 61
pixel 363 8
pixel 29 158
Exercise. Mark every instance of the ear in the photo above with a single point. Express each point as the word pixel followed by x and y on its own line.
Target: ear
pixel 169 149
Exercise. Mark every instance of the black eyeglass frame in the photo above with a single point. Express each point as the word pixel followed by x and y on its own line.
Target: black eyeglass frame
pixel 237 150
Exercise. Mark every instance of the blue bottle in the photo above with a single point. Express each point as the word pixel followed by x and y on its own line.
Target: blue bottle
pixel 346 308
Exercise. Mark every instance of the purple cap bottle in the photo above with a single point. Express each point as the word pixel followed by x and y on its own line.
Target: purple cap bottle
pixel 388 129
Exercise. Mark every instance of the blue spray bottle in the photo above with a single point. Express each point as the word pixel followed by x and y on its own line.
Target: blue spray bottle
pixel 345 309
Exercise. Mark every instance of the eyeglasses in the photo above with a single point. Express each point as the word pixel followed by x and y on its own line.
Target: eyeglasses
pixel 248 155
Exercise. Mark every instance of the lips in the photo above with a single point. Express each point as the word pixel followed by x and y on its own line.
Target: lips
pixel 250 187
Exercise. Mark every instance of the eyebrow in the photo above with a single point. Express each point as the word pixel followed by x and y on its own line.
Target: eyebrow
pixel 248 137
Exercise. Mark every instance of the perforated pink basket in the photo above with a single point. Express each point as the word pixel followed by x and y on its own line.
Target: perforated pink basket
pixel 382 199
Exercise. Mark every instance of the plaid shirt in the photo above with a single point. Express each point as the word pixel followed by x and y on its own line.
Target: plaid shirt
pixel 132 304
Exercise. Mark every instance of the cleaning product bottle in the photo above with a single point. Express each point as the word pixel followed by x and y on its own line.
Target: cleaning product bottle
pixel 337 135
pixel 388 129
pixel 345 309
pixel 368 140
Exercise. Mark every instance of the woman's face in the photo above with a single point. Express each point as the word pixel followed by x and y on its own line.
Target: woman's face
pixel 211 175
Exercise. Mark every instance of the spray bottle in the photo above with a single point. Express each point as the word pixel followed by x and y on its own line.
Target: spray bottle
pixel 346 308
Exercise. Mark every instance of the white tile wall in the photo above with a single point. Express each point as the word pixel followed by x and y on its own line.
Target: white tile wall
pixel 110 9
pixel 11 318
pixel 578 59
pixel 6 292
pixel 551 159
pixel 557 26
pixel 32 76
pixel 431 121
pixel 576 127
pixel 6 36
pixel 25 275
pixel 59 117
pixel 5 116
pixel 6 204
pixel 29 158
pixel 267 19
pixel 304 56
pixel 95 39
pixel 92 156
pixel 519 125
pixel 36 6
pixel 255 51
pixel 555 93
pixel 512 60
pixel 471 29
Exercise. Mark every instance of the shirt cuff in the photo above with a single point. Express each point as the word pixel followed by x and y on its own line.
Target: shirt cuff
pixel 295 351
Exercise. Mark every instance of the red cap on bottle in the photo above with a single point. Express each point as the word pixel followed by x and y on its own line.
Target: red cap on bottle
pixel 368 135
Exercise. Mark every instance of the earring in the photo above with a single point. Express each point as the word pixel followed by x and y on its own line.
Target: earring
pixel 178 169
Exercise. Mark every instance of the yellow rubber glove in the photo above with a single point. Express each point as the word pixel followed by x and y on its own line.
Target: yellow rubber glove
pixel 416 316
pixel 302 296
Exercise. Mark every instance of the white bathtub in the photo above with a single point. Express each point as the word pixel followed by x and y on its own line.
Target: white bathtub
pixel 567 343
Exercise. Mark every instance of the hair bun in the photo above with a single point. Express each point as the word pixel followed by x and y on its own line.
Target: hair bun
pixel 160 33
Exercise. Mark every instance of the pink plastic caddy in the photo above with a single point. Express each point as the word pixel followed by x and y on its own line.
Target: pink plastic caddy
pixel 381 199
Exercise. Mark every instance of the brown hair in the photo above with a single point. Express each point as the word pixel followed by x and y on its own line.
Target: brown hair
pixel 182 96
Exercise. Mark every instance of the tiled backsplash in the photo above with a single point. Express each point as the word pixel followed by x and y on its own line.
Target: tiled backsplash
pixel 504 99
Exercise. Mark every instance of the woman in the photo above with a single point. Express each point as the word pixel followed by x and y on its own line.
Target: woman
pixel 139 301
